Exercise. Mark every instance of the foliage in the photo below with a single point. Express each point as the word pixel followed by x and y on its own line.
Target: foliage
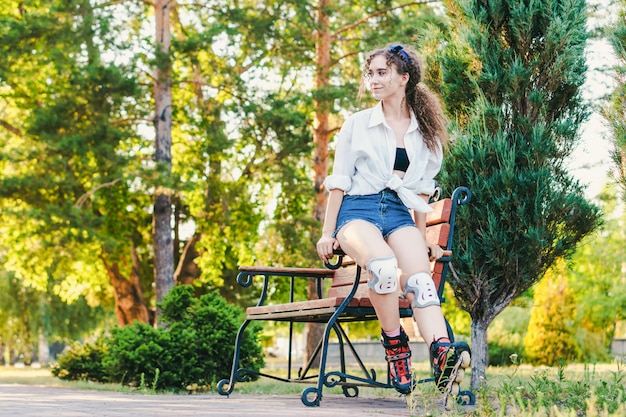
pixel 459 320
pixel 523 391
pixel 28 315
pixel 525 66
pixel 550 336
pixel 615 110
pixel 82 361
pixel 597 278
pixel 546 392
pixel 194 348
pixel 506 335
pixel 68 188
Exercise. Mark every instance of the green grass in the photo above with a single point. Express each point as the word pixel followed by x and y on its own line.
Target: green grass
pixel 43 376
pixel 524 391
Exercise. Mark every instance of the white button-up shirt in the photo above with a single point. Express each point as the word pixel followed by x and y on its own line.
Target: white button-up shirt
pixel 365 155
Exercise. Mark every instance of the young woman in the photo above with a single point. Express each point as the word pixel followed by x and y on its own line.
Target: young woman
pixel 385 162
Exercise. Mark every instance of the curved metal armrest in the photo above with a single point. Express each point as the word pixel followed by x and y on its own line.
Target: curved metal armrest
pixel 244 278
pixel 335 265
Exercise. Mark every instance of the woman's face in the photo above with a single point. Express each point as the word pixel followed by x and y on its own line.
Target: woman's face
pixel 383 80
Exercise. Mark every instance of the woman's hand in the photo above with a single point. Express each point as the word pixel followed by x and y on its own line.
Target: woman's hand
pixel 326 246
pixel 434 251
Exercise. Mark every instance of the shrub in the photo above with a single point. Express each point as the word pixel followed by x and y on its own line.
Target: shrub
pixel 194 348
pixel 82 362
pixel 551 336
pixel 137 354
pixel 206 328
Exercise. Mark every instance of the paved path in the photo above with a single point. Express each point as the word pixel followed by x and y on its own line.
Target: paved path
pixel 40 401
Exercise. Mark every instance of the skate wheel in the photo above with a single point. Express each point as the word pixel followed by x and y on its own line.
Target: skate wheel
pixel 460 375
pixel 455 389
pixel 466 359
pixel 448 404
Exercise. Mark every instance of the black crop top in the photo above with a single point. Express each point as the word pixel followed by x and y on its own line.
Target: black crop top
pixel 402 160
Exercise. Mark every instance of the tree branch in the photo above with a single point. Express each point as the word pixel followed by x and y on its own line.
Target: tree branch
pixel 131 120
pixel 341 58
pixel 378 13
pixel 116 2
pixel 81 200
pixel 8 126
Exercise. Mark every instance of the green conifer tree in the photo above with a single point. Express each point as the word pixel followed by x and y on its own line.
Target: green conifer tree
pixel 615 112
pixel 512 73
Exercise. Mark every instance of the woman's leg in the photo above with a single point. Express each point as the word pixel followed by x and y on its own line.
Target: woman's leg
pixel 364 242
pixel 410 249
pixel 416 280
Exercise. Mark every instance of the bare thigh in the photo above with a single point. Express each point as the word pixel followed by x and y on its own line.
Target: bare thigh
pixel 363 241
pixel 410 249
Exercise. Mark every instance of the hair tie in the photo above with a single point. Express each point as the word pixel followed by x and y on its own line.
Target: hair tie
pixel 398 49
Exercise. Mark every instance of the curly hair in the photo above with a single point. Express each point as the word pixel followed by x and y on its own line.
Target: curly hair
pixel 424 103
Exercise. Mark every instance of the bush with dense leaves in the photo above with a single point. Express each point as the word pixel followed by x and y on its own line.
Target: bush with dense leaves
pixel 82 362
pixel 194 348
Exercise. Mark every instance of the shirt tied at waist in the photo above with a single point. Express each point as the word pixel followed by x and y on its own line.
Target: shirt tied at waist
pixel 408 197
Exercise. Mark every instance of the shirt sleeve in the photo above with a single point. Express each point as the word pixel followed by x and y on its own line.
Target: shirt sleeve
pixel 344 164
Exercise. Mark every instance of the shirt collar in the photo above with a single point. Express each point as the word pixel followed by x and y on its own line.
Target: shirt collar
pixel 378 117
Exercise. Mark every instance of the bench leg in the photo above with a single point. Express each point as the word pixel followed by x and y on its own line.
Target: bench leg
pixel 324 378
pixel 317 392
pixel 226 386
pixel 369 374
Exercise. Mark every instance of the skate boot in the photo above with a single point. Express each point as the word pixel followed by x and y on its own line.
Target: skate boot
pixel 449 361
pixel 398 355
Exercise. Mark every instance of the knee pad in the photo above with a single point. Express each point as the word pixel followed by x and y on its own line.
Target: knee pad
pixel 385 275
pixel 423 287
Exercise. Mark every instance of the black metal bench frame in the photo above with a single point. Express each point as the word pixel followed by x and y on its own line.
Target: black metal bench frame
pixel 332 316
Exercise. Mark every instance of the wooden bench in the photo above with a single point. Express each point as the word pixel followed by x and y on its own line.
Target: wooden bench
pixel 346 300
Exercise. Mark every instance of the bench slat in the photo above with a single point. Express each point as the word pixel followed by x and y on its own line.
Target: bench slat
pixel 299 305
pixel 438 234
pixel 298 272
pixel 345 276
pixel 441 213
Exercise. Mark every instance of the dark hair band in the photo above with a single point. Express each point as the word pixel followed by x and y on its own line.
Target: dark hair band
pixel 398 49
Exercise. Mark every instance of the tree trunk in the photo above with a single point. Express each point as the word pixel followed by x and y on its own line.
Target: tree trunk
pixel 187 270
pixel 321 137
pixel 43 349
pixel 480 357
pixel 162 229
pixel 129 301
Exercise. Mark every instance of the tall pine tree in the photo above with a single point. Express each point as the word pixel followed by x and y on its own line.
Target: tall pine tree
pixel 615 112
pixel 512 73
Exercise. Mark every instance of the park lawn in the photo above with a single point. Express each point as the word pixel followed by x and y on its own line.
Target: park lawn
pixel 42 376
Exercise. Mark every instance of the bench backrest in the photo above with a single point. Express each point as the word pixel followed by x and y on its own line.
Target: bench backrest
pixel 438 230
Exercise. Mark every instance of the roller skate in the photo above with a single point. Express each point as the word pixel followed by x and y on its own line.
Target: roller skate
pixel 398 355
pixel 449 361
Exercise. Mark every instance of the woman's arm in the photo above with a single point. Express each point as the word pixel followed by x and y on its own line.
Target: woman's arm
pixel 327 243
pixel 434 251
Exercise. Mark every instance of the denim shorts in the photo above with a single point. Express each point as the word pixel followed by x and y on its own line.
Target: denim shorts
pixel 384 210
